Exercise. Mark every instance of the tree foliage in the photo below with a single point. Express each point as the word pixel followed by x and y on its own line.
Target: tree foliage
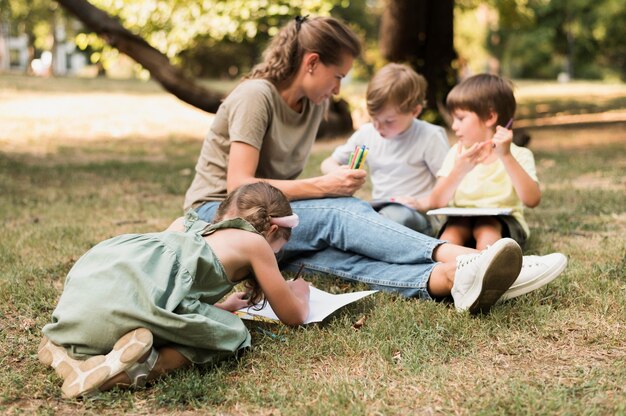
pixel 541 38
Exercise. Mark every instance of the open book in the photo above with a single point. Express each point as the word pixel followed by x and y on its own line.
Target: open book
pixel 321 305
pixel 470 212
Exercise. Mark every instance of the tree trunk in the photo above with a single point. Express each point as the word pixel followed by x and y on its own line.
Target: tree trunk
pixel 420 33
pixel 159 66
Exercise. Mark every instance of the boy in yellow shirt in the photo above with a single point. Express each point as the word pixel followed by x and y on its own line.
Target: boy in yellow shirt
pixel 484 168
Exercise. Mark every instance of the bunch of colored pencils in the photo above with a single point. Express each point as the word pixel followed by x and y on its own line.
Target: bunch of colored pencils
pixel 357 157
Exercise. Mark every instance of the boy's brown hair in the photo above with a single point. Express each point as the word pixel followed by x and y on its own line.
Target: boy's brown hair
pixel 483 94
pixel 397 85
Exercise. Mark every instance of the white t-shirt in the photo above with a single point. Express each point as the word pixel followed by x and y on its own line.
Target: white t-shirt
pixel 403 166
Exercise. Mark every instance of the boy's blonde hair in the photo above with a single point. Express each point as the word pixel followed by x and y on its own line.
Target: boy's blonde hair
pixel 398 85
pixel 326 36
pixel 483 94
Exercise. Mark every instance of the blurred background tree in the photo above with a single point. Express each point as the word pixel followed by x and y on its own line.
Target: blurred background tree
pixel 541 39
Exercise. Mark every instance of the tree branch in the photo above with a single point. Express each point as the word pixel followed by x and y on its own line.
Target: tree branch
pixel 159 66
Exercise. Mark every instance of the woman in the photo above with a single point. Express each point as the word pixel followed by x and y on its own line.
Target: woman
pixel 264 130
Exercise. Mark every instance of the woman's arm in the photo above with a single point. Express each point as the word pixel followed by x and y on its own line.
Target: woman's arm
pixel 244 160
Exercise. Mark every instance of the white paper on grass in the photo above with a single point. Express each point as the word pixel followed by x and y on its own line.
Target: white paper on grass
pixel 321 305
pixel 470 212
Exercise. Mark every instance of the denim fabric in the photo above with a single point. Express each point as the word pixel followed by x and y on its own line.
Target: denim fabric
pixel 347 238
pixel 408 217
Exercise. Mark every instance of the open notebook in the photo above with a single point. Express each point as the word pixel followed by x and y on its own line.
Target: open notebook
pixel 321 305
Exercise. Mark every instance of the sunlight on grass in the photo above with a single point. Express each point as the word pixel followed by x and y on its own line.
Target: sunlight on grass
pixel 558 350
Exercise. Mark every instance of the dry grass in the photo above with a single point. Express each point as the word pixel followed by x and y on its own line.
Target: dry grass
pixel 81 163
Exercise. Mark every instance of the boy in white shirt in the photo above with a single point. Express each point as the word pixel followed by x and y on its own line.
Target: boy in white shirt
pixel 404 153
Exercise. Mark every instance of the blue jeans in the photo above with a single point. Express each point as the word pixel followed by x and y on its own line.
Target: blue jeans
pixel 345 237
pixel 408 217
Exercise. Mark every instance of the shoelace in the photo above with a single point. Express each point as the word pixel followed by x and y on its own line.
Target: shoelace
pixel 465 261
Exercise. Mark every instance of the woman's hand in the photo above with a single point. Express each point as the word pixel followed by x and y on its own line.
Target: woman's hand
pixel 234 302
pixel 342 181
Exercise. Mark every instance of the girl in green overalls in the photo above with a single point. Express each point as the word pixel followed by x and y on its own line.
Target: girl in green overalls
pixel 150 302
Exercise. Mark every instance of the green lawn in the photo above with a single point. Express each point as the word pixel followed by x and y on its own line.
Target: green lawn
pixel 559 350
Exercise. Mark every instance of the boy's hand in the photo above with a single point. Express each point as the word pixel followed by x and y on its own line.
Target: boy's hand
pixel 501 141
pixel 343 181
pixel 477 153
pixel 409 201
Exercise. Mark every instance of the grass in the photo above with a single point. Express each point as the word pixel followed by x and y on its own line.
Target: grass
pixel 559 350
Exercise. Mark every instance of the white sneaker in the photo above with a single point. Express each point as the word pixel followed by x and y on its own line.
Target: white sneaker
pixel 537 271
pixel 481 279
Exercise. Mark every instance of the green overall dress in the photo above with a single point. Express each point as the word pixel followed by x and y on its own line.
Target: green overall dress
pixel 166 282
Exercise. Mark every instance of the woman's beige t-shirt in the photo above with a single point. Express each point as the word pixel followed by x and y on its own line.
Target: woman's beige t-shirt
pixel 256 114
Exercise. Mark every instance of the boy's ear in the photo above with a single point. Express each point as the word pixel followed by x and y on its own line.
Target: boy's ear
pixel 492 119
pixel 417 110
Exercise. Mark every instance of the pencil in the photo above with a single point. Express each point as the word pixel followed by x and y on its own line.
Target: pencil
pixel 359 157
pixel 363 158
pixel 299 272
pixel 508 125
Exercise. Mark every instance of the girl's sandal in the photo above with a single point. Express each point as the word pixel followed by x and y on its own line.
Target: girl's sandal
pixel 138 372
pixel 92 373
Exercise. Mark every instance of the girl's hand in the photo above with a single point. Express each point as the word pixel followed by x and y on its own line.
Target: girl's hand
pixel 234 302
pixel 300 287
pixel 501 141
pixel 343 181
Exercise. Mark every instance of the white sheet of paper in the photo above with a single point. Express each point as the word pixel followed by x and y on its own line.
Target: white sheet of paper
pixel 470 212
pixel 321 305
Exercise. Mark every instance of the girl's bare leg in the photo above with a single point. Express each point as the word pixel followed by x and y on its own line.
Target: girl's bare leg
pixel 169 360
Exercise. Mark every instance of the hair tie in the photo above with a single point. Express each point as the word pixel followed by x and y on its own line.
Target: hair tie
pixel 299 21
pixel 289 221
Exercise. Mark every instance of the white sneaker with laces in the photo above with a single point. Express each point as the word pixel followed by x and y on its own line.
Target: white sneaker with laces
pixel 480 279
pixel 537 271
